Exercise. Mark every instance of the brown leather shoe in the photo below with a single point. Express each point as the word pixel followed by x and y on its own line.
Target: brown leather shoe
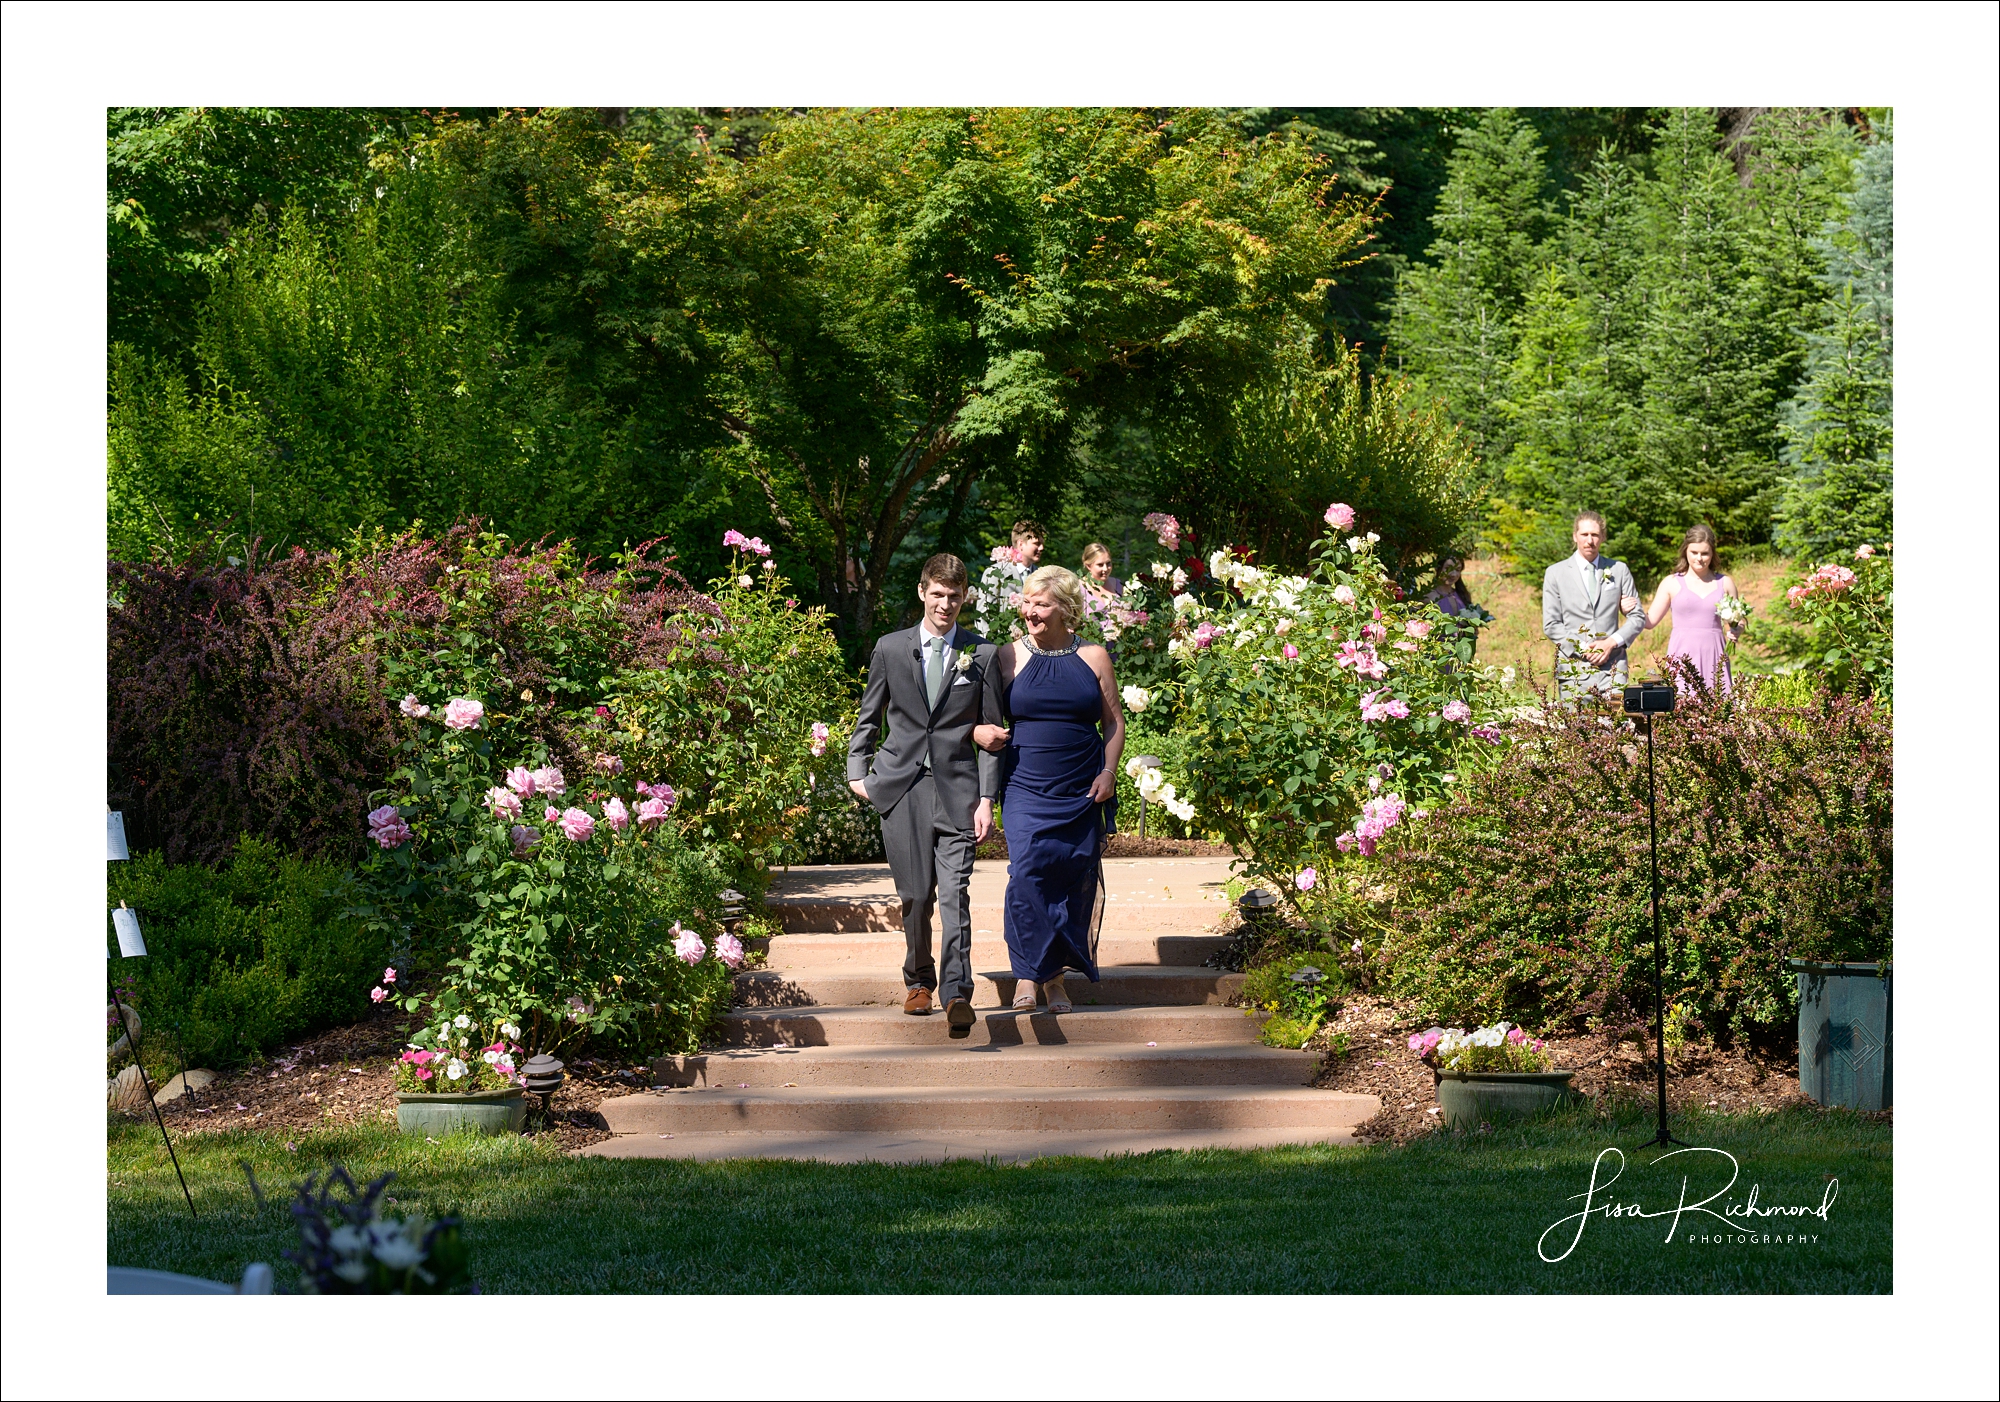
pixel 917 1002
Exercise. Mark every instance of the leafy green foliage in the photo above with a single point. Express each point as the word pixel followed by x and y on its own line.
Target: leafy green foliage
pixel 1300 991
pixel 1526 897
pixel 1851 612
pixel 244 957
pixel 724 712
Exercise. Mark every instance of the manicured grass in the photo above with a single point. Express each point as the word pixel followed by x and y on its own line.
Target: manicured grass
pixel 1442 1215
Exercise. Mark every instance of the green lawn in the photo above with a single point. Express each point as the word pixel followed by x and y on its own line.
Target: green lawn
pixel 1441 1215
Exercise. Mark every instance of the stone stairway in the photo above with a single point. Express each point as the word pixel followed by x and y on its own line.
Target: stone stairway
pixel 819 1061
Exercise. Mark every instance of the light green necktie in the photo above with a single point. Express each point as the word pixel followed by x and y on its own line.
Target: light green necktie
pixel 933 668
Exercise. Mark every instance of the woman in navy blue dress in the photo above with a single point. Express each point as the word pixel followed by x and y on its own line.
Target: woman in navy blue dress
pixel 1059 758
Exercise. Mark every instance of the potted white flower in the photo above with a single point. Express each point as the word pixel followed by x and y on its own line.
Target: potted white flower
pixel 1490 1073
pixel 453 1077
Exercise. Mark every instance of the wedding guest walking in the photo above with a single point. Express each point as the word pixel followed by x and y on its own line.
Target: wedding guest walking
pixel 1097 577
pixel 1690 595
pixel 933 789
pixel 1063 734
pixel 1582 598
pixel 1448 591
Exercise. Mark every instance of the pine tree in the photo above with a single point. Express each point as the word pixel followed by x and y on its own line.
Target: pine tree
pixel 1451 327
pixel 1707 420
pixel 1839 430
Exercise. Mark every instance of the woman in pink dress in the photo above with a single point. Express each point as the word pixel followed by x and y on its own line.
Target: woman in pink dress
pixel 1690 595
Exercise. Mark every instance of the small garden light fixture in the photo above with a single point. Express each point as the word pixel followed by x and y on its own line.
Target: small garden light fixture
pixel 544 1074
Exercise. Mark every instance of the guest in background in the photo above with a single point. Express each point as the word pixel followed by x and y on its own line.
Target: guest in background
pixel 1027 538
pixel 1582 597
pixel 1691 594
pixel 1449 592
pixel 1097 576
pixel 1454 600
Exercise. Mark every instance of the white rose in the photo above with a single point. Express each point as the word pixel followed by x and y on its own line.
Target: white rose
pixel 1180 578
pixel 1137 698
pixel 743 581
pixel 1184 602
pixel 1357 544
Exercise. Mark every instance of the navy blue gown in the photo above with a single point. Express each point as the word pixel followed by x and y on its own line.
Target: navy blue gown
pixel 1055 831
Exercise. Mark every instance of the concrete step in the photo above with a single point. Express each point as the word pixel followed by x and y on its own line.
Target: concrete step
pixel 890 1026
pixel 961 1064
pixel 884 950
pixel 884 913
pixel 1142 985
pixel 935 1146
pixel 852 1109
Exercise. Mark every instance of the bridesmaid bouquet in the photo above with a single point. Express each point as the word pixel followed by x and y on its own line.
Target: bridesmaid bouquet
pixel 1732 610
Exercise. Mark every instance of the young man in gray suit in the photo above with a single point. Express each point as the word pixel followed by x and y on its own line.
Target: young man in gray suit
pixel 1581 600
pixel 933 788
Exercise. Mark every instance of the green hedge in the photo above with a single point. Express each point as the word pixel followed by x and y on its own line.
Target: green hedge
pixel 247 956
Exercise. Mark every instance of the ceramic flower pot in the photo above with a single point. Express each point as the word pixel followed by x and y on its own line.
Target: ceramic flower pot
pixel 1471 1098
pixel 1844 1026
pixel 480 1112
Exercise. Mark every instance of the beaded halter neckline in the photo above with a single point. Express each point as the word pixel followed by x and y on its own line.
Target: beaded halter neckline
pixel 1074 643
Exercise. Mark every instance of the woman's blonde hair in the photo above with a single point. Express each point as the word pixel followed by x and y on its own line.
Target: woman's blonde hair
pixel 1063 587
pixel 1093 550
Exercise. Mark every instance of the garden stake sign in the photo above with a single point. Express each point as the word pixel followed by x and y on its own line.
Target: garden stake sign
pixel 132 945
pixel 1644 703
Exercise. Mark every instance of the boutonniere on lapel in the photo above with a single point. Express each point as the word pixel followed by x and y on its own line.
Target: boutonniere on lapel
pixel 963 664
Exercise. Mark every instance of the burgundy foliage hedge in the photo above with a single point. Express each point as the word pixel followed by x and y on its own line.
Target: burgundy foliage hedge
pixel 259 697
pixel 1526 898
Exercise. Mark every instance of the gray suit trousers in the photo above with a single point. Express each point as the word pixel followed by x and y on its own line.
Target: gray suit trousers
pixel 932 863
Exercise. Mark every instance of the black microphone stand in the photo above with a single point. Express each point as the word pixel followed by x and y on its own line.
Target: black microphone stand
pixel 1660 1136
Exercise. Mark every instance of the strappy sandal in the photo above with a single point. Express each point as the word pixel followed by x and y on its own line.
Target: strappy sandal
pixel 1024 996
pixel 1057 995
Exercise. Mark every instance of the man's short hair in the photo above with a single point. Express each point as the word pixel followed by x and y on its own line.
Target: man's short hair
pixel 1587 515
pixel 947 570
pixel 1025 529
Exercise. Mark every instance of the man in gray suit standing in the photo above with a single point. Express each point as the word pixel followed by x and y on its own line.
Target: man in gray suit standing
pixel 1582 597
pixel 933 788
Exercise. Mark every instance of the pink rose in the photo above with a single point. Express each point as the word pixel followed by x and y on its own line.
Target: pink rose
pixel 1165 529
pixel 1343 595
pixel 820 735
pixel 1373 709
pixel 1458 711
pixel 389 975
pixel 1204 634
pixel 376 995
pixel 652 812
pixel 1374 632
pixel 1418 628
pixel 387 827
pixel 1403 645
pixel 1306 879
pixel 577 825
pixel 615 814
pixel 1340 516
pixel 610 764
pixel 737 540
pixel 521 781
pixel 503 803
pixel 549 780
pixel 729 950
pixel 688 947
pixel 1490 734
pixel 1864 552
pixel 551 814
pixel 462 713
pixel 414 709
pixel 1291 652
pixel 523 838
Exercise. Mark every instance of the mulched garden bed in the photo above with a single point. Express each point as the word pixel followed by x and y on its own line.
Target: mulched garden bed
pixel 1378 1062
pixel 344 1077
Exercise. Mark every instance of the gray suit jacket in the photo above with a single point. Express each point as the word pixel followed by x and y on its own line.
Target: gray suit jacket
pixel 1568 611
pixel 964 774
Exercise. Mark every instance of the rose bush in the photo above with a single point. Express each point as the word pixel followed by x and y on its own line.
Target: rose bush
pixel 1319 711
pixel 1850 609
pixel 562 910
